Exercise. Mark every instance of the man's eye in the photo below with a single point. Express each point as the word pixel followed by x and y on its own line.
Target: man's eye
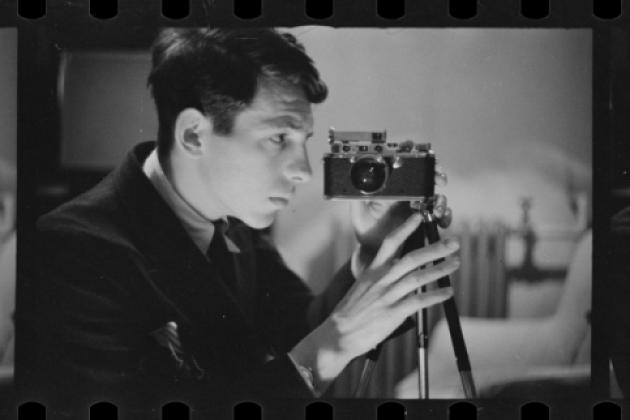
pixel 278 138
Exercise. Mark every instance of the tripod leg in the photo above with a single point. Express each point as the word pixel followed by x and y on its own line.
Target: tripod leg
pixel 423 356
pixel 415 241
pixel 452 319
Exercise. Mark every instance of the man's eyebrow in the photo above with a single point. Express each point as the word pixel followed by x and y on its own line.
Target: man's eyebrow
pixel 284 121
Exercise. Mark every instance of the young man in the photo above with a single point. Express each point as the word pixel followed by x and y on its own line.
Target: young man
pixel 160 283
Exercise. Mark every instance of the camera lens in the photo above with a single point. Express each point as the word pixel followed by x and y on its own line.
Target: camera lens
pixel 368 175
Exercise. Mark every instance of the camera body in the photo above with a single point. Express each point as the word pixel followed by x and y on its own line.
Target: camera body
pixel 363 164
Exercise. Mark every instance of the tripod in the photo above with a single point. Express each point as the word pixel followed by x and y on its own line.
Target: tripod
pixel 427 232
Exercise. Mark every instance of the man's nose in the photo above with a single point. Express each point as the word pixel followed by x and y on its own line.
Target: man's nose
pixel 299 169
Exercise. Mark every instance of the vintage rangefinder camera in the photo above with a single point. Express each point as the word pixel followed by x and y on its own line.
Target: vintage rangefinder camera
pixel 364 164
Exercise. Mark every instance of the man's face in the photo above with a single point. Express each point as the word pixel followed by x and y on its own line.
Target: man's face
pixel 252 173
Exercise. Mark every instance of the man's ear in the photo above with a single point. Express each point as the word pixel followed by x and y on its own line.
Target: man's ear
pixel 190 128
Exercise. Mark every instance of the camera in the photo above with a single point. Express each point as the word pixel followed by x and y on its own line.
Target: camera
pixel 364 164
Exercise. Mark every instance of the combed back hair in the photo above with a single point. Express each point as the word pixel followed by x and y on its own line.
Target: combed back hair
pixel 217 71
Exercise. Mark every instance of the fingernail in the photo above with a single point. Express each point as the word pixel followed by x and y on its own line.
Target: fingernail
pixel 448 291
pixel 456 261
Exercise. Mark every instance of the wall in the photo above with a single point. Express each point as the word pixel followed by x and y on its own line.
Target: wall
pixel 106 106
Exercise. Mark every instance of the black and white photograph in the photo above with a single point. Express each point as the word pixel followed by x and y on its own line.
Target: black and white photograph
pixel 308 212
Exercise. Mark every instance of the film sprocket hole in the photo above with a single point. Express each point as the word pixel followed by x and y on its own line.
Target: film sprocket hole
pixel 364 164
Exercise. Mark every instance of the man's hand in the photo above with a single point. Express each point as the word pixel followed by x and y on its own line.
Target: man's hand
pixel 379 301
pixel 385 294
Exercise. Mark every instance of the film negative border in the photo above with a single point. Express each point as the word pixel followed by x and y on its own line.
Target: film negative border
pixel 328 12
pixel 253 9
pixel 372 409
pixel 134 25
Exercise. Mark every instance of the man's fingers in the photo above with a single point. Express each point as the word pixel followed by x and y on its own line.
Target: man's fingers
pixel 442 212
pixel 440 205
pixel 418 278
pixel 395 239
pixel 446 219
pixel 420 257
pixel 415 302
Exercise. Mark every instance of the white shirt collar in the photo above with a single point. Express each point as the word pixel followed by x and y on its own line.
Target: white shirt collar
pixel 199 228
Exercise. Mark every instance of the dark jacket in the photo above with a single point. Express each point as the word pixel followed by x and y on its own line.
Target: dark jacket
pixel 113 267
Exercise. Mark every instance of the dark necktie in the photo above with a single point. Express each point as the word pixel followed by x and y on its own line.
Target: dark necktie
pixel 222 259
pixel 237 279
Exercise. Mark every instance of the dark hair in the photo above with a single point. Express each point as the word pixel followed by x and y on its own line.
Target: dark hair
pixel 217 71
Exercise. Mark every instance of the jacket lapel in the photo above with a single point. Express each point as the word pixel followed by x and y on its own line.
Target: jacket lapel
pixel 180 274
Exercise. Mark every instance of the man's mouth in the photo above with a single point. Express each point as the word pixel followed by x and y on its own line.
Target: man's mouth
pixel 279 201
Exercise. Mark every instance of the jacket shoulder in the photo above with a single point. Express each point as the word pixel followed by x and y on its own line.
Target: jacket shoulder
pixel 95 216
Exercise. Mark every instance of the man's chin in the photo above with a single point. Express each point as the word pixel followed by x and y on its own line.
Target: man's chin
pixel 260 222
